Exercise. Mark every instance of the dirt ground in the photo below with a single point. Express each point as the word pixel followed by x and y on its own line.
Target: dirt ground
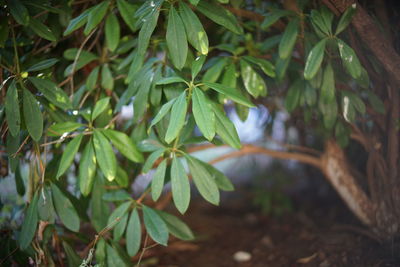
pixel 319 232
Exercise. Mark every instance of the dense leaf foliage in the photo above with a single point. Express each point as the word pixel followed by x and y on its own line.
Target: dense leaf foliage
pixel 69 69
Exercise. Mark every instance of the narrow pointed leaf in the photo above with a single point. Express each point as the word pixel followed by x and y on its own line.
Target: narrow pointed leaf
pixel 107 79
pixel 157 183
pixel 77 22
pixel 112 32
pixel 314 60
pixel 169 80
pixel 52 92
pixel 180 185
pixel 225 128
pixel 349 59
pixel 65 210
pixel 127 10
pixel 105 155
pixel 125 145
pixel 197 65
pixel 100 106
pixel 19 12
pixel 162 112
pixel 60 129
pixel 12 109
pixel 328 84
pixel 152 159
pixel 42 30
pixel 87 169
pixel 42 65
pixel 289 38
pixel 133 234
pixel 204 182
pixel 29 224
pixel 221 180
pixel 177 227
pixel 118 219
pixel 176 39
pixel 253 82
pixel 69 154
pixel 203 114
pixel 32 115
pixel 220 16
pixel 232 93
pixel 345 19
pixel 95 16
pixel 196 34
pixel 155 226
pixel 178 114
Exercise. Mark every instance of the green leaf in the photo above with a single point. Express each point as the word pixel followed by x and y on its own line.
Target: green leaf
pixel 72 258
pixel 127 10
pixel 225 128
pixel 19 181
pixel 273 17
pixel 176 39
pixel 178 114
pixel 52 92
pixel 345 19
pixel 113 257
pixel 45 206
pixel 83 59
pixel 203 114
pixel 253 82
pixel 68 155
pixel 122 178
pixel 265 65
pixel 41 30
pixel 59 129
pixel 289 38
pixel 125 145
pixel 65 209
pixel 197 64
pixel 29 224
pixel 196 34
pixel 376 103
pixel 148 165
pixel 229 77
pixel 349 59
pixel 176 227
pixel 12 109
pixel 116 195
pixel 213 73
pixel 194 2
pixel 155 226
pixel 220 16
pixel 161 113
pixel 100 106
pixel 355 101
pixel 180 185
pixel 95 16
pixel 293 96
pixel 133 234
pixel 157 183
pixel 203 180
pixel 19 12
pixel 221 180
pixel 314 60
pixel 232 93
pixel 91 81
pixel 42 65
pixel 169 80
pixel 105 155
pixel 107 80
pixel 328 84
pixel 112 32
pixel 77 22
pixel 32 115
pixel 87 169
pixel 320 24
pixel 118 219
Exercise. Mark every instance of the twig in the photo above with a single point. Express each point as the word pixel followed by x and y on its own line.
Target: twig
pixel 65 137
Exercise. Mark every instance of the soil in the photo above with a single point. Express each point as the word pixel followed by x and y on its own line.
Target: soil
pixel 318 232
